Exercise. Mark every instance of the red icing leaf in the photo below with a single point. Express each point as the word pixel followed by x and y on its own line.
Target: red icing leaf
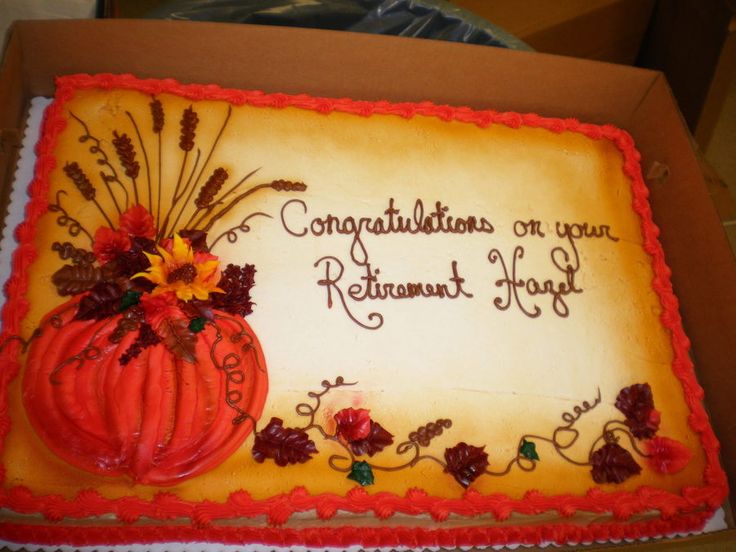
pixel 466 462
pixel 158 308
pixel 284 445
pixel 613 464
pixel 667 455
pixel 138 222
pixel 109 243
pixel 376 440
pixel 353 424
pixel 637 404
pixel 102 301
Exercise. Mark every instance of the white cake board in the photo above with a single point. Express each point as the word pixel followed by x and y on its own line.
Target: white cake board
pixel 16 212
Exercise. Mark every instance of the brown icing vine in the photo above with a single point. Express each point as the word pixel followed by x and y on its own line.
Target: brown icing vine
pixel 74 227
pixel 358 434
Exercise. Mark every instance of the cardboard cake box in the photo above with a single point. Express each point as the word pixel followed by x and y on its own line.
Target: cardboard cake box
pixel 368 67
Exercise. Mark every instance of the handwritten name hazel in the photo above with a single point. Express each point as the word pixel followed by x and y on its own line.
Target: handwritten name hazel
pixel 516 289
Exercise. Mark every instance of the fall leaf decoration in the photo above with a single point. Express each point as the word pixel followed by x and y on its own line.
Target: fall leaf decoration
pixel 178 338
pixel 75 279
pixel 235 283
pixel 613 464
pixel 362 473
pixel 102 301
pixel 666 455
pixel 282 444
pixel 637 404
pixel 528 450
pixel 376 440
pixel 197 240
pixel 466 463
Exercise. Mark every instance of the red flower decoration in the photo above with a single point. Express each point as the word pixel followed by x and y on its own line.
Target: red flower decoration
pixel 138 222
pixel 158 308
pixel 466 463
pixel 667 455
pixel 637 404
pixel 613 464
pixel 353 424
pixel 284 444
pixel 376 440
pixel 109 244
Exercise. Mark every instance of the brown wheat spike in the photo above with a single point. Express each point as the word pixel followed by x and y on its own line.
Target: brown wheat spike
pixel 210 188
pixel 189 122
pixel 126 154
pixel 157 114
pixel 288 186
pixel 76 174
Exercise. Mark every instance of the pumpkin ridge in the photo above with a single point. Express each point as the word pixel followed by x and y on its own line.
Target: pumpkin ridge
pixel 142 461
pixel 185 412
pixel 125 403
pixel 205 372
pixel 170 374
pixel 40 398
pixel 66 391
pixel 84 388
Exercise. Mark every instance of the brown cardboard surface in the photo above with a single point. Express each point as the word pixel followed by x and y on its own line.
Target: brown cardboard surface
pixel 374 67
pixel 607 30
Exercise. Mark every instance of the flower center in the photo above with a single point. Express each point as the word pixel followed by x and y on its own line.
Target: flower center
pixel 185 273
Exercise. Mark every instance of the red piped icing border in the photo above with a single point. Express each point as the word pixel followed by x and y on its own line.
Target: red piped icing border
pixel 678 513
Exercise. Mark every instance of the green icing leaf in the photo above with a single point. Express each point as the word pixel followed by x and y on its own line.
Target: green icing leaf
pixel 528 450
pixel 130 298
pixel 362 473
pixel 196 325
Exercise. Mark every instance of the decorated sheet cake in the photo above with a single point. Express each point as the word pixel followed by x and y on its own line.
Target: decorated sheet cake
pixel 238 317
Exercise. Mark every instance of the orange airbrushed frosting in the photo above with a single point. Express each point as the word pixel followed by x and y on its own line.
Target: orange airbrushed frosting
pixel 158 418
pixel 434 515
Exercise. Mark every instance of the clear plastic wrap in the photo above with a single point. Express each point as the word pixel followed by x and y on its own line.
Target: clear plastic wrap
pixel 435 19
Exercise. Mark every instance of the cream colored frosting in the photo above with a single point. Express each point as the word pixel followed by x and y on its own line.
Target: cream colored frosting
pixel 497 374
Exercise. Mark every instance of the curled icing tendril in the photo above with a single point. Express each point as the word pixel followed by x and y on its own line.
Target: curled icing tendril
pixel 73 226
pixel 103 160
pixel 608 435
pixel 563 438
pixel 307 410
pixel 54 321
pixel 231 365
pixel 419 438
pixel 231 234
pixel 89 352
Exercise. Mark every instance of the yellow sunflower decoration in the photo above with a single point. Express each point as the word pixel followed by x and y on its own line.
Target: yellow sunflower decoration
pixel 182 271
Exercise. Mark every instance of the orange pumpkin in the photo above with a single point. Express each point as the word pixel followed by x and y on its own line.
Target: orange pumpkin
pixel 158 419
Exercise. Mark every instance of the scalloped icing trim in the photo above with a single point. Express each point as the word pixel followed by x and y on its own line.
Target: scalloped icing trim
pixel 688 511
